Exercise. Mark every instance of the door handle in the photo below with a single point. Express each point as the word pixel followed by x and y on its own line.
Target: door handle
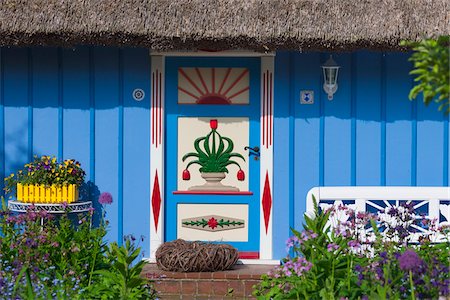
pixel 253 151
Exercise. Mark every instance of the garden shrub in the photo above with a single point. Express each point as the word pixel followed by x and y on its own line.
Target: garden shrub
pixel 362 256
pixel 63 258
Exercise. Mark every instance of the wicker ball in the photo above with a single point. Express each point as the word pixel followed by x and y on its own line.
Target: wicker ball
pixel 183 256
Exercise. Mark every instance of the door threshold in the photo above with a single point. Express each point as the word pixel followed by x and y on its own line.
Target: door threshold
pixel 270 262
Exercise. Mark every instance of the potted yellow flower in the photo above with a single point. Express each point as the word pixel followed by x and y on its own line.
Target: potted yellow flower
pixel 46 181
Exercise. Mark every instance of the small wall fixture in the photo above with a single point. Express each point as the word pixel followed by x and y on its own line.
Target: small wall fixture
pixel 330 75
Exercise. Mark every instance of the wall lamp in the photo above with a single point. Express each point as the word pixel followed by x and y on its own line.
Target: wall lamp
pixel 330 76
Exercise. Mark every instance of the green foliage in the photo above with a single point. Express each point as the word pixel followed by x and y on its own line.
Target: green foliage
pixel 431 71
pixel 212 158
pixel 353 259
pixel 122 280
pixel 63 258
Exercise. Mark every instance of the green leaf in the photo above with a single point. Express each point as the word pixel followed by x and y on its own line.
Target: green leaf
pixel 191 154
pixel 206 144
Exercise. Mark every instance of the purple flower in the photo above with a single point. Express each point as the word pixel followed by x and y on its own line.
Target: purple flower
pixel 354 244
pixel 331 247
pixel 409 260
pixel 105 198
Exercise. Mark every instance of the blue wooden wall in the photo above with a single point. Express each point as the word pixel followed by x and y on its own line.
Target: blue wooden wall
pixel 370 134
pixel 77 103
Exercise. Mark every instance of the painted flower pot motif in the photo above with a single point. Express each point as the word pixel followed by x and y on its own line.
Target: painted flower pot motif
pixel 214 153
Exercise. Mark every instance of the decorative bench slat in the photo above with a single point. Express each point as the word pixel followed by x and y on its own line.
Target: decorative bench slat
pixel 428 202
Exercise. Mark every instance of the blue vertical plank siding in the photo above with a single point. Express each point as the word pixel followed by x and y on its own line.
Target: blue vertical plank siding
pixel 372 133
pixel 75 95
pixel 77 103
pixel 446 164
pixel 307 76
pixel 106 78
pixel 430 145
pixel 2 127
pixel 282 164
pixel 398 123
pixel 45 101
pixel 337 131
pixel 15 99
pixel 30 103
pixel 136 146
pixel 368 115
pixel 71 103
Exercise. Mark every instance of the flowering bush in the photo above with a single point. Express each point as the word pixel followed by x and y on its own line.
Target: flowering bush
pixel 362 256
pixel 47 171
pixel 62 258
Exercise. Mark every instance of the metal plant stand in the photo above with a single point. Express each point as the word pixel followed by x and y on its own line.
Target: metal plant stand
pixel 51 208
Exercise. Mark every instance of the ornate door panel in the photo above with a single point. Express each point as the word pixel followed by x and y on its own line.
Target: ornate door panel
pixel 212 151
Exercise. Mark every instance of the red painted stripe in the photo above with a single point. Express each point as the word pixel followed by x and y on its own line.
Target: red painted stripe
pixel 201 80
pixel 236 81
pixel 211 193
pixel 153 108
pixel 238 93
pixel 189 93
pixel 264 110
pixel 190 81
pixel 224 80
pixel 160 108
pixel 213 80
pixel 267 109
pixel 270 108
pixel 248 254
pixel 156 107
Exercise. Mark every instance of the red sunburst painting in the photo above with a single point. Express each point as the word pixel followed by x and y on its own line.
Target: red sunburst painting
pixel 213 86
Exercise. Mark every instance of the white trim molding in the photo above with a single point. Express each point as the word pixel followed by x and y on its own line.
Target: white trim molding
pixel 157 153
pixel 227 53
pixel 266 171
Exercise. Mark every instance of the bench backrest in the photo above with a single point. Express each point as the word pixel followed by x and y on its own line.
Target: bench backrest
pixel 431 202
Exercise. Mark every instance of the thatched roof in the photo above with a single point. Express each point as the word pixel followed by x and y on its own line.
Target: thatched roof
pixel 223 24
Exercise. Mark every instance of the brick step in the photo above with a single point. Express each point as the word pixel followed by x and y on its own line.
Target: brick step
pixel 236 283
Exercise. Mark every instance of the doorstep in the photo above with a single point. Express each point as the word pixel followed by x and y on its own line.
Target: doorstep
pixel 236 283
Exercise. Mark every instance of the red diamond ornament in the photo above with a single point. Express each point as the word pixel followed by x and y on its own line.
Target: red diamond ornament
pixel 156 201
pixel 267 201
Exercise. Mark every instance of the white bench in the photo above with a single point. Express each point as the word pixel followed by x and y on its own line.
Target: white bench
pixel 431 202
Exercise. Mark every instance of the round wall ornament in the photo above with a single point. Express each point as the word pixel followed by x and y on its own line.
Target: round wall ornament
pixel 138 94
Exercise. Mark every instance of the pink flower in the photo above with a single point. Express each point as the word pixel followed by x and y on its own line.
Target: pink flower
pixel 105 198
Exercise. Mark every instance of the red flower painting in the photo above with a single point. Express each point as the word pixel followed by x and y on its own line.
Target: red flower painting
pixel 212 223
pixel 213 124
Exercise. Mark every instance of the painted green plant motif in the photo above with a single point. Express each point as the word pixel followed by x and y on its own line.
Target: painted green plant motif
pixel 215 156
pixel 213 223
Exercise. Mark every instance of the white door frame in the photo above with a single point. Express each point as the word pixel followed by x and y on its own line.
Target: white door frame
pixel 157 131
